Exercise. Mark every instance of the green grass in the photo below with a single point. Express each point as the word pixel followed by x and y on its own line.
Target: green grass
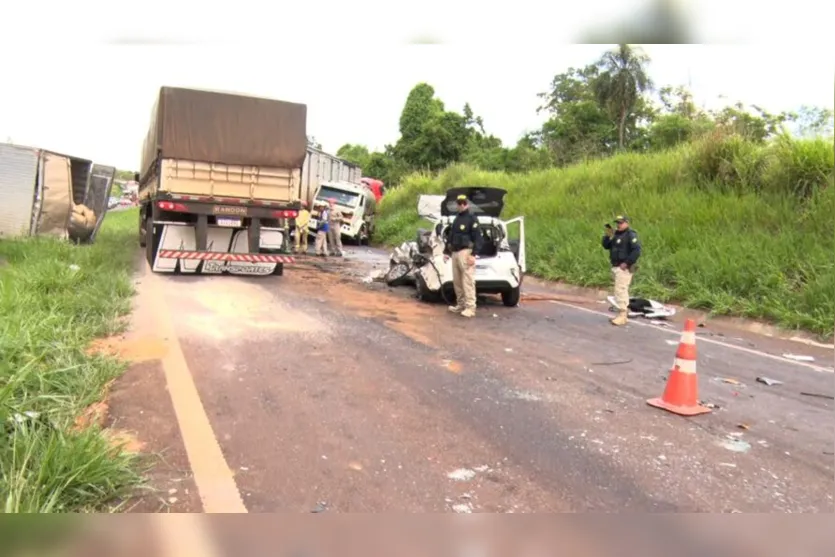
pixel 55 298
pixel 727 226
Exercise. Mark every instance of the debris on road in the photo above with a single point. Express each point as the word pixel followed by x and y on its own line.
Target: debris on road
pixel 320 507
pixel 819 395
pixel 377 275
pixel 743 426
pixel 729 381
pixel 735 444
pixel 769 382
pixel 641 307
pixel 462 508
pixel 799 357
pixel 461 475
pixel 615 363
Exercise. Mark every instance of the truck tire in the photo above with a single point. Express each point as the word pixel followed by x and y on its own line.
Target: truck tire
pixel 510 297
pixel 363 238
pixel 279 269
pixel 152 238
pixel 142 235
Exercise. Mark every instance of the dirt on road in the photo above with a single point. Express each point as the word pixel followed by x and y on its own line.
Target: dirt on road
pixel 316 392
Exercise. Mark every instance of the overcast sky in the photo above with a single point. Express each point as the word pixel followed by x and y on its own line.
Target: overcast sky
pixel 65 89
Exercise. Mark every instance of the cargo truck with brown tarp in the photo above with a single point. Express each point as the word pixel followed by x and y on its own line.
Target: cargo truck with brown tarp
pixel 220 182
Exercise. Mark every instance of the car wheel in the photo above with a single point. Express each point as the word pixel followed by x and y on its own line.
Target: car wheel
pixel 510 297
pixel 397 274
pixel 423 292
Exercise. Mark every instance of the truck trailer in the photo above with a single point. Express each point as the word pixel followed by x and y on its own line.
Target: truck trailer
pixel 220 182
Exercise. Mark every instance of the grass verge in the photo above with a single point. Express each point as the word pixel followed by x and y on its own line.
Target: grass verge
pixel 727 226
pixel 55 298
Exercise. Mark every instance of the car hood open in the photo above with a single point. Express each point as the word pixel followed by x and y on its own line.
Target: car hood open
pixel 484 201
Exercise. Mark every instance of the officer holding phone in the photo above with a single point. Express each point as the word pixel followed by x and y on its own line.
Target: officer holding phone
pixel 624 251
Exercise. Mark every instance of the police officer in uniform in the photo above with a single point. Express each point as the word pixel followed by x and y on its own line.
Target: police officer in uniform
pixel 624 251
pixel 464 242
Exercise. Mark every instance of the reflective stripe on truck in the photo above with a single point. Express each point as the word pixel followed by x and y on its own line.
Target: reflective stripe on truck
pixel 220 256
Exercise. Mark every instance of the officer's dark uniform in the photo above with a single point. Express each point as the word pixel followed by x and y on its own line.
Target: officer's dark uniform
pixel 464 240
pixel 624 248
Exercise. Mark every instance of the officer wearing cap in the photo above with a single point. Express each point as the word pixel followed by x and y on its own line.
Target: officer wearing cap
pixel 624 251
pixel 464 243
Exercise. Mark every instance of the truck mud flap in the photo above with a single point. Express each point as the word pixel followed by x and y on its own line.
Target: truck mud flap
pixel 227 251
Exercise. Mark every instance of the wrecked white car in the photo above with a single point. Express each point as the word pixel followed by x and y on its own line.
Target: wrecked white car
pixel 500 264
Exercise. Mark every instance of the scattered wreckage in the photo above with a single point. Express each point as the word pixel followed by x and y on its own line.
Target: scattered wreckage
pixel 500 264
pixel 642 307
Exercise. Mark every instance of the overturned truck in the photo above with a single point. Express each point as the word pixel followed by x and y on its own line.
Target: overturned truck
pixel 220 182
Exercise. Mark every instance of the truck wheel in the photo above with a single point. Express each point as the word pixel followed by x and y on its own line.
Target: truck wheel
pixel 142 232
pixel 510 297
pixel 362 237
pixel 279 269
pixel 152 238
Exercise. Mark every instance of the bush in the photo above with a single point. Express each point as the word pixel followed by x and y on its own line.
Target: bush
pixel 728 225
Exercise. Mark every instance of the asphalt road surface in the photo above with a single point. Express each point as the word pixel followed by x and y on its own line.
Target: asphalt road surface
pixel 318 392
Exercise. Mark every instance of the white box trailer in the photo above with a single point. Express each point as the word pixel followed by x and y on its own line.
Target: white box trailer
pixel 321 167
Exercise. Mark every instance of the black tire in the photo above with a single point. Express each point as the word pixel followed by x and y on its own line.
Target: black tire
pixel 362 236
pixel 279 270
pixel 510 297
pixel 397 274
pixel 152 238
pixel 142 233
pixel 423 292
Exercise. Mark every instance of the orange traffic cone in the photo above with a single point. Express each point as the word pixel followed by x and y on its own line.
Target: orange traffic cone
pixel 681 396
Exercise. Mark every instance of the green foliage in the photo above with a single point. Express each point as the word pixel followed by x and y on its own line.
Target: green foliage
pixel 55 298
pixel 729 224
pixel 593 112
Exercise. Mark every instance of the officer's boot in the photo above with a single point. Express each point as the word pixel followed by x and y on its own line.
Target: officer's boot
pixel 621 319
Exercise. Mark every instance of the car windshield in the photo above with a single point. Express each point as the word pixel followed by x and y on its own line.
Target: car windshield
pixel 342 197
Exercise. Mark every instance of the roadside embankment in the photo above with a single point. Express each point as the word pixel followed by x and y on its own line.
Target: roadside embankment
pixel 728 226
pixel 55 298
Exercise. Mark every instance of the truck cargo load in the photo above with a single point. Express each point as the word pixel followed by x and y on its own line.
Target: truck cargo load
pixel 213 127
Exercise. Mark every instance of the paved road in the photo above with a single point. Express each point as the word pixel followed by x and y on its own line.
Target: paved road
pixel 327 394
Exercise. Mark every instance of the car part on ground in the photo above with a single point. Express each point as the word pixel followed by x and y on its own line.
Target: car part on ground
pixel 642 307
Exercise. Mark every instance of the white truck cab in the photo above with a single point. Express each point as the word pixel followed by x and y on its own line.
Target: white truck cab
pixel 357 204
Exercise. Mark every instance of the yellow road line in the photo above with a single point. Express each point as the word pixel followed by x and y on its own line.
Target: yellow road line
pixel 215 481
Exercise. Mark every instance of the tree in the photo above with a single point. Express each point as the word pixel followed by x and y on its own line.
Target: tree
pixel 757 126
pixel 578 126
pixel 813 121
pixel 621 83
pixel 679 119
pixel 357 154
pixel 430 137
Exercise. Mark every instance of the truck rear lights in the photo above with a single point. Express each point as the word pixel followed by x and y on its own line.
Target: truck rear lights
pixel 285 214
pixel 171 206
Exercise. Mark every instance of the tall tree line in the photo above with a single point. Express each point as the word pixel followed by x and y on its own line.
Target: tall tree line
pixel 609 106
